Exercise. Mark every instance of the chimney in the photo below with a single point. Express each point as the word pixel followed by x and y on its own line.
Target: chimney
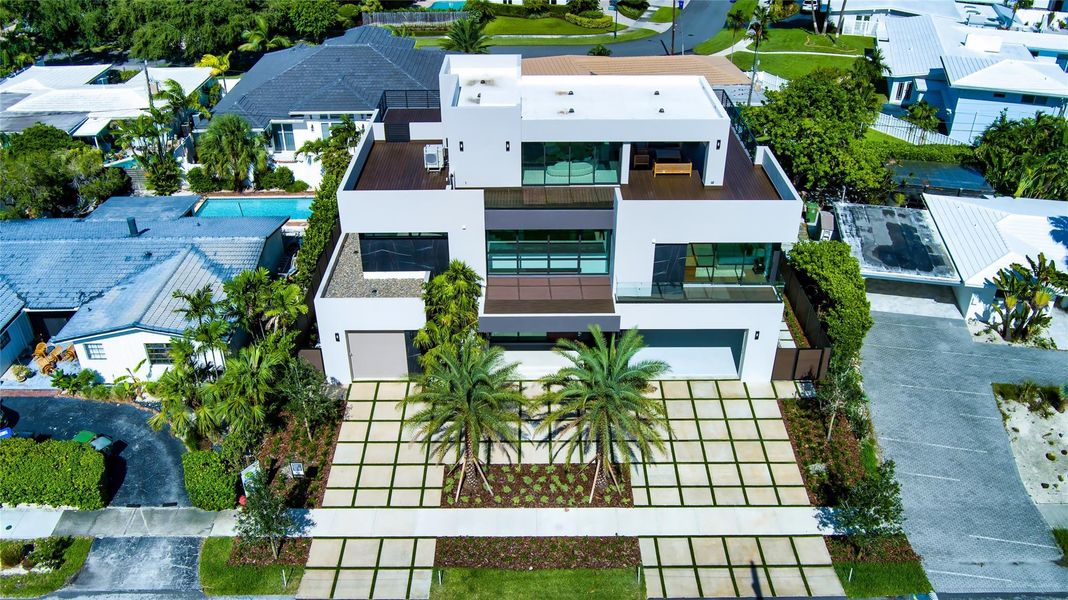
pixel 132 224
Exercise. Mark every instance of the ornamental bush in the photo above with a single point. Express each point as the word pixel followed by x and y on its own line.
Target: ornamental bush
pixel 210 483
pixel 52 473
pixel 602 22
pixel 200 182
pixel 831 276
pixel 319 231
pixel 897 150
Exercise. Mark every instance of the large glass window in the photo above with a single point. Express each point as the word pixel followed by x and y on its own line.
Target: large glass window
pixel 580 252
pixel 727 263
pixel 282 137
pixel 571 163
pixel 158 354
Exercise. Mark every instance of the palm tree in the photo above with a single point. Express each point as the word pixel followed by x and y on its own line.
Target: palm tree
pixel 841 20
pixel 283 306
pixel 211 337
pixel 348 15
pixel 924 116
pixel 466 36
pixel 466 397
pixel 247 294
pixel 258 38
pixel 736 21
pixel 218 63
pixel 186 406
pixel 601 402
pixel 451 300
pixel 229 149
pixel 245 385
pixel 758 31
pixel 1017 5
pixel 200 306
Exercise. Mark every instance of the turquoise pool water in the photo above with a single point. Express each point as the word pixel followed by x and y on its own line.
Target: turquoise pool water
pixel 447 6
pixel 125 163
pixel 294 208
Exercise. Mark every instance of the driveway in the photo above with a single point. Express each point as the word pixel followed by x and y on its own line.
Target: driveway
pixel 147 468
pixel 700 20
pixel 967 511
pixel 139 567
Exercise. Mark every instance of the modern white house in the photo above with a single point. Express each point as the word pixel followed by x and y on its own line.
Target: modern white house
pixel 625 201
pixel 973 75
pixel 294 95
pixel 105 285
pixel 84 100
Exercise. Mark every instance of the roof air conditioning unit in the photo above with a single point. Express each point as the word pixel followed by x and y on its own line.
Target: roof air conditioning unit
pixel 433 157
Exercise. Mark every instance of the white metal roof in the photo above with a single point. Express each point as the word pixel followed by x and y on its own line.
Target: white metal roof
pixel 985 235
pixel 1022 76
pixel 38 78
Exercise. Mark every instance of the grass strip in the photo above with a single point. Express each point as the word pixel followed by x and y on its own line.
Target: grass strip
pixel 725 38
pixel 545 26
pixel 221 579
pixel 791 66
pixel 879 579
pixel 549 584
pixel 39 584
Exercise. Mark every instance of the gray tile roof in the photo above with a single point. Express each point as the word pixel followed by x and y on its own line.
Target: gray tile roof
pixel 62 264
pixel 346 73
pixel 10 303
pixel 144 208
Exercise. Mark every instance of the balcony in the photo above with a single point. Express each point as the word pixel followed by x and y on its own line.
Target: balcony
pixel 548 295
pixel 399 166
pixel 698 293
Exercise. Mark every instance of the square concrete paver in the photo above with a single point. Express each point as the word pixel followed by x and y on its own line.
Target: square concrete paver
pixel 420 586
pixel 316 583
pixel 391 583
pixel 647 546
pixel 719 452
pixel 664 496
pixel 364 390
pixel 674 551
pixel 405 497
pixel 786 474
pixel 675 389
pixel 755 474
pixel 684 429
pixel 360 553
pixel 761 496
pixel 787 581
pixel 793 496
pixel 392 390
pixel 779 452
pixel 352 431
pixel 812 551
pixel 709 552
pixel 432 497
pixel 709 409
pixel 324 552
pixel 732 389
pixel 704 389
pixel 697 496
pixel 384 431
pixel 737 409
pixel 660 475
pixel 729 496
pixel 822 581
pixel 381 453
pixel 375 476
pixel 688 452
pixel 680 583
pixel 396 553
pixel 743 430
pixel 342 476
pixel 766 409
pixel 358 411
pixel 749 451
pixel 424 552
pixel 757 389
pixel 784 389
pixel 408 476
pixel 693 475
pixel 411 453
pixel 387 410
pixel 366 498
pixel 341 497
pixel 751 581
pixel 354 584
pixel 743 551
pixel 724 475
pixel 348 453
pixel 716 583
pixel 654 586
pixel 714 430
pixel 679 409
pixel 777 551
pixel 772 429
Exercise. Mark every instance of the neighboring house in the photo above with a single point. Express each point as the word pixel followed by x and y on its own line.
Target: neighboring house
pixel 623 201
pixel 958 243
pixel 294 95
pixel 869 17
pixel 973 75
pixel 105 284
pixel 15 332
pixel 84 100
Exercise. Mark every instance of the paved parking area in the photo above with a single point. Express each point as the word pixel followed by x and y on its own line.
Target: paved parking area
pixel 148 465
pixel 967 511
pixel 139 565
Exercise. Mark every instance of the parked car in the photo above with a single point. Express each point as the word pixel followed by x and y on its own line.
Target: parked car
pixel 100 443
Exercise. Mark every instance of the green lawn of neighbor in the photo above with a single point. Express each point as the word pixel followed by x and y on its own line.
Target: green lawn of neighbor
pixel 502 584
pixel 608 38
pixel 39 584
pixel 662 15
pixel 799 40
pixel 1061 535
pixel 221 579
pixel 545 26
pixel 791 66
pixel 875 580
pixel 726 37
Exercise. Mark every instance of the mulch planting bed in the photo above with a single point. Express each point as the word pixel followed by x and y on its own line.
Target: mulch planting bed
pixel 523 553
pixel 290 443
pixel 890 549
pixel 535 486
pixel 294 551
pixel 842 466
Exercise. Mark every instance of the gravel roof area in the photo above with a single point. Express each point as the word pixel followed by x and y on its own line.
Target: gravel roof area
pixel 348 281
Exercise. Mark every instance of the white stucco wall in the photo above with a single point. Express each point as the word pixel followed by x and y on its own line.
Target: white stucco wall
pixel 122 350
pixel 21 334
pixel 305 167
pixel 337 316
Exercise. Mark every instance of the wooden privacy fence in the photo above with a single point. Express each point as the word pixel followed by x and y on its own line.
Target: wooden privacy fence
pixel 414 19
pixel 802 363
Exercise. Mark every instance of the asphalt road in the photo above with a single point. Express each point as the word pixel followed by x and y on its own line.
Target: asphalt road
pixel 700 20
pixel 967 511
pixel 146 468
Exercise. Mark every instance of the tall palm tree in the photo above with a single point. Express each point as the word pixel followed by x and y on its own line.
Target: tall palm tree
pixel 841 20
pixel 247 294
pixel 229 150
pixel 600 399
pixel 466 36
pixel 180 104
pixel 211 337
pixel 258 38
pixel 758 31
pixel 466 397
pixel 218 63
pixel 451 300
pixel 736 21
pixel 209 330
pixel 186 406
pixel 244 386
pixel 283 306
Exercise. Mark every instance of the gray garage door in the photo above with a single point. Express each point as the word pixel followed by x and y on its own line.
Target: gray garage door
pixel 378 354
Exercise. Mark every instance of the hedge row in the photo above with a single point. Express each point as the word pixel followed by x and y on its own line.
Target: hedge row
pixel 602 22
pixel 52 473
pixel 319 231
pixel 831 275
pixel 886 150
pixel 211 484
pixel 517 10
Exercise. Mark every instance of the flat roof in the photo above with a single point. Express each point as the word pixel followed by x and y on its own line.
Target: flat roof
pixel 717 70
pixel 592 97
pixel 895 243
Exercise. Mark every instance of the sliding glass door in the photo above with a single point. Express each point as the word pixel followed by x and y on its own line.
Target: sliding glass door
pixel 571 163
pixel 546 252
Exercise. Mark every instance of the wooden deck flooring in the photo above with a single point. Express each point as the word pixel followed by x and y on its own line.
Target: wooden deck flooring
pixel 399 166
pixel 548 295
pixel 744 181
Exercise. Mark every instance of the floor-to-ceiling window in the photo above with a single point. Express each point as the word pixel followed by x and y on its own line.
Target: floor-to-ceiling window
pixel 580 252
pixel 727 263
pixel 571 163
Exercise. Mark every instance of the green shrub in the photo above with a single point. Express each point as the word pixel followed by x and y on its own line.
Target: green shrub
pixel 297 186
pixel 210 483
pixel 277 179
pixel 581 6
pixel 81 383
pixel 320 229
pixel 200 182
pixel 831 276
pixel 601 22
pixel 886 150
pixel 52 473
pixel 11 553
pixel 48 553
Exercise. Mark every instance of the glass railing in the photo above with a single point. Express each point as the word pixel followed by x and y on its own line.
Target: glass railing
pixel 696 292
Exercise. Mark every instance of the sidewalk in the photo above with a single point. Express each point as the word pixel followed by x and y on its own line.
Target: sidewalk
pixel 422 522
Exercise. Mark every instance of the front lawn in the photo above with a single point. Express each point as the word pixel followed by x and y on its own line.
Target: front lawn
pixel 39 584
pixel 662 15
pixel 876 580
pixel 220 578
pixel 1061 535
pixel 500 584
pixel 725 38
pixel 607 39
pixel 791 66
pixel 544 26
pixel 799 40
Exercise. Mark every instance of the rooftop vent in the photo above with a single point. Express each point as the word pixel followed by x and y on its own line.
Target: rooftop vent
pixel 570 92
pixel 131 224
pixel 570 111
pixel 656 93
pixel 661 111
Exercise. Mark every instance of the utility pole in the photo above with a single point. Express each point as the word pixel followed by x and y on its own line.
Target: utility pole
pixel 148 85
pixel 615 7
pixel 673 27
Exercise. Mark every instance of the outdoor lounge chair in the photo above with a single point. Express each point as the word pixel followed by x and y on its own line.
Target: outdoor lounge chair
pixel 41 350
pixel 45 364
pixel 69 353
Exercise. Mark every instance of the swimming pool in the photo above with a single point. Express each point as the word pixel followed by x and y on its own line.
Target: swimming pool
pixel 297 208
pixel 447 6
pixel 126 163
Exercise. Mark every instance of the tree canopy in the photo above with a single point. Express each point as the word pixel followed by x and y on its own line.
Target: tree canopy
pixel 1027 158
pixel 230 149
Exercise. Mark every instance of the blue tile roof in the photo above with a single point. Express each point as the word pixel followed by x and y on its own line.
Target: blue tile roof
pixel 147 208
pixel 346 73
pixel 62 264
pixel 10 303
